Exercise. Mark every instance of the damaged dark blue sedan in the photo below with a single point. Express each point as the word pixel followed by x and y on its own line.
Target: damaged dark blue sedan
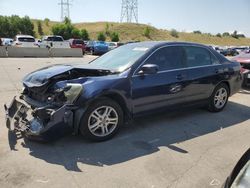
pixel 130 81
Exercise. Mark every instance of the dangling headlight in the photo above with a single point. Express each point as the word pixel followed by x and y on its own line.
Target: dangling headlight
pixel 72 91
pixel 68 94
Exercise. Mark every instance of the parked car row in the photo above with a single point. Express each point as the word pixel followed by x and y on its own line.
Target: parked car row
pixel 230 51
pixel 55 41
pixel 244 59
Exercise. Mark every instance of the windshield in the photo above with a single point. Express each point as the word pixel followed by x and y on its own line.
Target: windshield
pixel 121 58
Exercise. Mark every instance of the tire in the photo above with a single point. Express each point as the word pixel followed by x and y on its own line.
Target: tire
pixel 219 98
pixel 96 126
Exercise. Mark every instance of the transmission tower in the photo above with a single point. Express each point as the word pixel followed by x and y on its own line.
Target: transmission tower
pixel 64 9
pixel 129 11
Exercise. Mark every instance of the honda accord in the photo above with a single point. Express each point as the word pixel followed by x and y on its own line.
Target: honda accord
pixel 133 80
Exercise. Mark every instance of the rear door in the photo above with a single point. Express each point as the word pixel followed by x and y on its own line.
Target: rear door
pixel 166 87
pixel 204 72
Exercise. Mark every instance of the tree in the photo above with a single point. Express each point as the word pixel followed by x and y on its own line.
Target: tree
pixel 76 33
pixel 147 32
pixel 107 29
pixel 218 35
pixel 241 36
pixel 101 37
pixel 64 29
pixel 174 33
pixel 114 37
pixel 13 25
pixel 235 34
pixel 84 34
pixel 197 32
pixel 67 21
pixel 39 28
pixel 225 34
pixel 46 20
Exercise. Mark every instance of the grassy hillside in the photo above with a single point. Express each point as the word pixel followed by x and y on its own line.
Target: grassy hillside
pixel 132 32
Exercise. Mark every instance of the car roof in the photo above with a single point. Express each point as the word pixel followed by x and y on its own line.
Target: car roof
pixel 24 36
pixel 154 44
pixel 52 36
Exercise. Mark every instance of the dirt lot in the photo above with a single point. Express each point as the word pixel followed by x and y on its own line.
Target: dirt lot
pixel 193 148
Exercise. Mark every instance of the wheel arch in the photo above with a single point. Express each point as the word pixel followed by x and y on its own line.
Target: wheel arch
pixel 227 84
pixel 121 101
pixel 118 98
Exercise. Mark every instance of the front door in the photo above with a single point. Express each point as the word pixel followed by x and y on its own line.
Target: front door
pixel 166 87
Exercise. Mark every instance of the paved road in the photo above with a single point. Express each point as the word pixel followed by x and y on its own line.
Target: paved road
pixel 192 148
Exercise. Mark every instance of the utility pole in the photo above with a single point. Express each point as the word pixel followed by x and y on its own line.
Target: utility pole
pixel 64 9
pixel 129 11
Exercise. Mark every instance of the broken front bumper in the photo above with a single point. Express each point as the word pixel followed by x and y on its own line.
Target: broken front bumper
pixel 42 123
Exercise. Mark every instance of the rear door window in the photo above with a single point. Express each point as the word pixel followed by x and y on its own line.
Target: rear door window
pixel 168 58
pixel 197 56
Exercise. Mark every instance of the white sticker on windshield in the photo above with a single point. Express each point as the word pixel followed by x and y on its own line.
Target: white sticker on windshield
pixel 140 49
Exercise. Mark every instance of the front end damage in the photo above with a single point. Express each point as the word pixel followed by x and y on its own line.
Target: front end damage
pixel 47 106
pixel 42 123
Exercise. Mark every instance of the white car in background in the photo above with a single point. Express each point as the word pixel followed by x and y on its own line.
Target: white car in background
pixel 54 41
pixel 112 45
pixel 7 41
pixel 24 41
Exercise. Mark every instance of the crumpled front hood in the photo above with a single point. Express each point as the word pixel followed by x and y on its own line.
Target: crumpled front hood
pixel 45 75
pixel 41 76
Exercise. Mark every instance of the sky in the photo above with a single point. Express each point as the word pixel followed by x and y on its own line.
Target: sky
pixel 210 16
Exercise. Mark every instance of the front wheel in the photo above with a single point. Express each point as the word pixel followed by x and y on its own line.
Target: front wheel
pixel 102 120
pixel 219 98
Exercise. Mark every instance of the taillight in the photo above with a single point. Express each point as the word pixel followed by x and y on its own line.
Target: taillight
pixel 18 43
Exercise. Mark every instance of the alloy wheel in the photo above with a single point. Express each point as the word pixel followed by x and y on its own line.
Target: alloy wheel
pixel 103 121
pixel 220 98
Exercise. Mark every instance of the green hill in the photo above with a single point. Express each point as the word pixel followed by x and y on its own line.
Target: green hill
pixel 135 32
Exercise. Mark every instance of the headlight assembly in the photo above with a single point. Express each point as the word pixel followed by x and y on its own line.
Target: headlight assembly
pixel 68 94
pixel 72 92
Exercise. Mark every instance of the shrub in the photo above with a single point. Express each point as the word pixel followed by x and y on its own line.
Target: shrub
pixel 39 28
pixel 235 35
pixel 225 34
pixel 147 32
pixel 218 35
pixel 46 20
pixel 107 29
pixel 84 34
pixel 101 37
pixel 174 33
pixel 197 32
pixel 76 33
pixel 114 37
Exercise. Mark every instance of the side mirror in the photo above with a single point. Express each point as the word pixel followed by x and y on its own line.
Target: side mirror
pixel 149 69
pixel 240 174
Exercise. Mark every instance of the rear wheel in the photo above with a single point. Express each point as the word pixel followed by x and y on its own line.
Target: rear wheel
pixel 102 120
pixel 219 98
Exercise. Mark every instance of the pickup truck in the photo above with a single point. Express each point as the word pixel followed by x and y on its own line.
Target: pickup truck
pixel 53 41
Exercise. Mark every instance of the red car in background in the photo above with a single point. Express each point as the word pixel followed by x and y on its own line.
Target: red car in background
pixel 77 43
pixel 244 60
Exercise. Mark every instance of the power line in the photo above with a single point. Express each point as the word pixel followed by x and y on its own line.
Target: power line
pixel 129 11
pixel 65 12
